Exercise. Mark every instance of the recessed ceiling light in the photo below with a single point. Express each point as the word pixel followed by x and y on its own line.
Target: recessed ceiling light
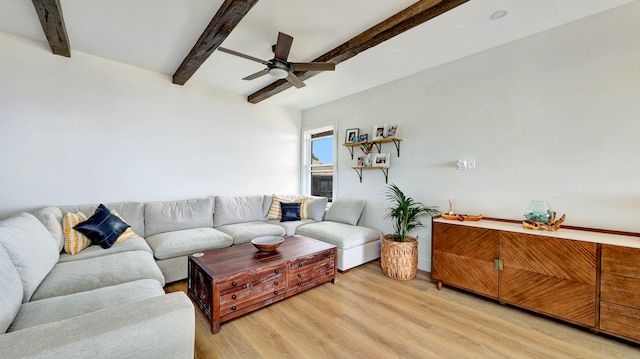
pixel 499 14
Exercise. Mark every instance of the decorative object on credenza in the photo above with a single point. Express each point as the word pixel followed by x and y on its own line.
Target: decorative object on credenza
pixel 267 243
pixel 451 215
pixel 551 225
pixel 351 135
pixel 540 216
pixel 399 251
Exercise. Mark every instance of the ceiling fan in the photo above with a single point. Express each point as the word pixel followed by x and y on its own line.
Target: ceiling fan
pixel 279 67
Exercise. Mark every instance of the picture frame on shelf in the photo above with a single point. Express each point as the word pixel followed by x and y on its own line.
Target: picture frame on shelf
pixel 381 159
pixel 364 137
pixel 360 162
pixel 379 131
pixel 392 131
pixel 352 135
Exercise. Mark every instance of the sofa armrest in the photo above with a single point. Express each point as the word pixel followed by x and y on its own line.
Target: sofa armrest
pixel 159 327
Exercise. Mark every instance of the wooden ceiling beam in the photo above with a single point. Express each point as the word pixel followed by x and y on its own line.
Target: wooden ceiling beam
pixel 224 21
pixel 402 21
pixel 50 15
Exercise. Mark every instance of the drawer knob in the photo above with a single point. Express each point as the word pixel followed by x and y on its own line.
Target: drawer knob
pixel 299 275
pixel 234 284
pixel 276 271
pixel 233 308
pixel 276 283
pixel 299 284
pixel 233 296
pixel 328 273
pixel 299 264
pixel 275 293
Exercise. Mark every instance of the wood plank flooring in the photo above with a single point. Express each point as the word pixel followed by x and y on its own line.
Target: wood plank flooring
pixel 367 315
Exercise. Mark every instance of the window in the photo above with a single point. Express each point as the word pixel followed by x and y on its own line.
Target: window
pixel 318 162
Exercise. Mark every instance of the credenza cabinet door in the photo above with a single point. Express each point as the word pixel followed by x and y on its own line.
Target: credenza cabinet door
pixel 464 257
pixel 549 275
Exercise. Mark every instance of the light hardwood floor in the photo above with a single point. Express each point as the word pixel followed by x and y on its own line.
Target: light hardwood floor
pixel 367 315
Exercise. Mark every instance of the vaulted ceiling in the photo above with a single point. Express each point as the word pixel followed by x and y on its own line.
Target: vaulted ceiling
pixel 372 41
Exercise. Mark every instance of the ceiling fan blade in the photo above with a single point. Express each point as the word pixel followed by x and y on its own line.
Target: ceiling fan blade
pixel 313 66
pixel 283 46
pixel 256 75
pixel 295 81
pixel 243 55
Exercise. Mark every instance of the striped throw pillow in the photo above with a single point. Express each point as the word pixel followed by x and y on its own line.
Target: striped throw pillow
pixel 74 241
pixel 129 233
pixel 276 213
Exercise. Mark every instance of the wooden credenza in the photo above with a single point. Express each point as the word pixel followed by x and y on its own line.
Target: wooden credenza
pixel 586 278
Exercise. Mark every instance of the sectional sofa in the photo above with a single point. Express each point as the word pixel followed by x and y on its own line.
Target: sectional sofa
pixel 110 302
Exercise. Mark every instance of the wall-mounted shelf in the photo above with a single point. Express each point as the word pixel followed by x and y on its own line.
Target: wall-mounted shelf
pixel 385 171
pixel 378 143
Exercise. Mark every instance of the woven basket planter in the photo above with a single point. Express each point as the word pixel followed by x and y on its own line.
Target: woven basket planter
pixel 399 260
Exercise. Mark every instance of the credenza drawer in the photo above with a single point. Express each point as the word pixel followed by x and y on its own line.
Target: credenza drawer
pixel 620 320
pixel 300 263
pixel 311 275
pixel 621 260
pixel 257 292
pixel 620 290
pixel 247 279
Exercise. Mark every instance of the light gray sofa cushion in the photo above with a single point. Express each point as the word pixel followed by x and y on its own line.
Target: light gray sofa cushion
pixel 31 248
pixel 345 210
pixel 343 236
pixel 161 217
pixel 59 308
pixel 131 212
pixel 158 327
pixel 187 241
pixel 237 209
pixel 10 291
pixel 290 226
pixel 88 274
pixel 317 207
pixel 245 232
pixel 51 218
pixel 132 244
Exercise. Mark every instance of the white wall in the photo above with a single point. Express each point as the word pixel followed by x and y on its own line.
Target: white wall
pixel 89 130
pixel 551 117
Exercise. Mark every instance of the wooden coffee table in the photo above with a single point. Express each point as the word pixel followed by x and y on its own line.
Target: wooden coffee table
pixel 227 283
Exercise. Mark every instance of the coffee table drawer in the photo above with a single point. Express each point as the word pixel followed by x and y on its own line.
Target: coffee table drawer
pixel 312 274
pixel 312 259
pixel 254 293
pixel 247 279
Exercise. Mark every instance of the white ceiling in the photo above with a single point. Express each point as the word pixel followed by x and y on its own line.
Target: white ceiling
pixel 158 34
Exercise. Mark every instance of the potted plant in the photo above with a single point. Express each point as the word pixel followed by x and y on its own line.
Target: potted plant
pixel 399 252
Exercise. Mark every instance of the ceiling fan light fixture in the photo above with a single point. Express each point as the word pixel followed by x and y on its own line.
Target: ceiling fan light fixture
pixel 278 73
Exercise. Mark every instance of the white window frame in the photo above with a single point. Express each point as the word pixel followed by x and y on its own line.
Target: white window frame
pixel 305 168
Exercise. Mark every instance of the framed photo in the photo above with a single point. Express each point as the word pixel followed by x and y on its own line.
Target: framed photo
pixel 379 132
pixel 381 159
pixel 352 135
pixel 360 162
pixel 393 130
pixel 364 137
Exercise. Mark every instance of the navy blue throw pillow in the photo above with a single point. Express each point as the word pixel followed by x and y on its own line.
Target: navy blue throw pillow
pixel 102 228
pixel 290 211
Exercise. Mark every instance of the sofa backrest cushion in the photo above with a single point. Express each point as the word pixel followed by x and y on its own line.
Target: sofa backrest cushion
pixel 51 218
pixel 12 292
pixel 317 207
pixel 161 217
pixel 345 210
pixel 237 209
pixel 131 212
pixel 31 249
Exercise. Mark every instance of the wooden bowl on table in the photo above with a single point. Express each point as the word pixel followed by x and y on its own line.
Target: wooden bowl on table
pixel 267 243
